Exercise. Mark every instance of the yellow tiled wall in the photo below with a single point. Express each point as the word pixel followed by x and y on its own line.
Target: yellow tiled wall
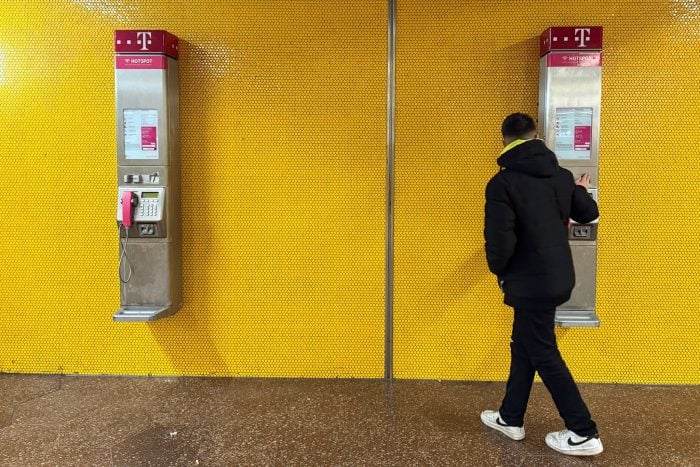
pixel 283 135
pixel 283 148
pixel 463 66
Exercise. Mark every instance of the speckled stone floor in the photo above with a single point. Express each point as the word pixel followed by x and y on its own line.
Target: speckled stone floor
pixel 91 421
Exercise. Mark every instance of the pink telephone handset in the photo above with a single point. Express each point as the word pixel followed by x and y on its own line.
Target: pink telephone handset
pixel 129 202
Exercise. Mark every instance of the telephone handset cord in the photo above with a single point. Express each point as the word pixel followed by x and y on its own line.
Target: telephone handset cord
pixel 123 256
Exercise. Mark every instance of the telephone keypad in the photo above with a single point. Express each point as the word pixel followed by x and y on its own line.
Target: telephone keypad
pixel 148 208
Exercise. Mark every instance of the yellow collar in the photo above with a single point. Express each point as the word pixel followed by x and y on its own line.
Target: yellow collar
pixel 513 144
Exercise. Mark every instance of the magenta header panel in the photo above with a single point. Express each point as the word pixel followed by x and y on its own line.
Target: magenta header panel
pixel 571 38
pixel 139 41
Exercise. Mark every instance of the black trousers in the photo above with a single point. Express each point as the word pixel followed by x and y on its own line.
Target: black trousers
pixel 534 348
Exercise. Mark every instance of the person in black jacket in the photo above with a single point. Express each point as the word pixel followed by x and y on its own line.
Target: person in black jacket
pixel 529 204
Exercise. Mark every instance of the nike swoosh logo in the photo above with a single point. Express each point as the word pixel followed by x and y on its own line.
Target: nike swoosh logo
pixel 499 422
pixel 572 443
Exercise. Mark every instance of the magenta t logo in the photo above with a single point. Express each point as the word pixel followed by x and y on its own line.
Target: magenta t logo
pixel 582 35
pixel 145 38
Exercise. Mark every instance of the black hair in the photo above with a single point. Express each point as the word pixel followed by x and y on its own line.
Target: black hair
pixel 517 125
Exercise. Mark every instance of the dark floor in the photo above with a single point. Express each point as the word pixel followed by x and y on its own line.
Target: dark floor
pixel 65 420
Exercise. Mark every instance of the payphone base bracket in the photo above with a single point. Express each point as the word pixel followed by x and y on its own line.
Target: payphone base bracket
pixel 576 319
pixel 142 313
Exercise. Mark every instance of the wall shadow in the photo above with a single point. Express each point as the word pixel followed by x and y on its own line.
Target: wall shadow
pixel 460 281
pixel 186 337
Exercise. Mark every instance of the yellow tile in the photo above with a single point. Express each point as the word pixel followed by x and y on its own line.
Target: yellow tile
pixel 461 68
pixel 283 135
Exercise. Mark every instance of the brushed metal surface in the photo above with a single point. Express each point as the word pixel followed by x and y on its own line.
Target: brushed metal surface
pixel 150 281
pixel 585 265
pixel 156 282
pixel 142 313
pixel 575 87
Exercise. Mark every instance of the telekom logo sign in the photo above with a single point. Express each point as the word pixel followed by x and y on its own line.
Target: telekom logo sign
pixel 144 38
pixel 145 41
pixel 582 35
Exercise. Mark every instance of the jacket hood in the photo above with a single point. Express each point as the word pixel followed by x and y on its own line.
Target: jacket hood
pixel 531 157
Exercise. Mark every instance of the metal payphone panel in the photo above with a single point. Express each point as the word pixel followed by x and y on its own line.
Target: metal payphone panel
pixel 148 156
pixel 569 122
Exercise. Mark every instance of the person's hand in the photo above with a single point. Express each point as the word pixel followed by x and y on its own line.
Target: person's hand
pixel 584 180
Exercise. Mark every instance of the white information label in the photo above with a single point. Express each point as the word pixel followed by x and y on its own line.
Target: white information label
pixel 573 132
pixel 141 133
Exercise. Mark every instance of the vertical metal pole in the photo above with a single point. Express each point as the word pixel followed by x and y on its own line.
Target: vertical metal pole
pixel 390 113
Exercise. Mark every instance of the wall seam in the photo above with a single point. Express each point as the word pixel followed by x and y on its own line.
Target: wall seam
pixel 390 142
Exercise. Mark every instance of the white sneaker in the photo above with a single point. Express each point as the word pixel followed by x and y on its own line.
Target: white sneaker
pixel 492 419
pixel 568 442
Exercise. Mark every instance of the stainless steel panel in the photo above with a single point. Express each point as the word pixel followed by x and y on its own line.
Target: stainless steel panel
pixel 575 87
pixel 585 263
pixel 150 280
pixel 155 288
pixel 576 319
pixel 143 313
pixel 174 219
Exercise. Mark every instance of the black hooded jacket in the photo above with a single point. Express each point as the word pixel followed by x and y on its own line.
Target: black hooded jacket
pixel 528 207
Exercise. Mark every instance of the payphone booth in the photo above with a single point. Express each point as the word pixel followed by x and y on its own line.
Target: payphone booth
pixel 148 156
pixel 569 122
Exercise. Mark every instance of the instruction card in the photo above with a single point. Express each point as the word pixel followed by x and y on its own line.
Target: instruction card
pixel 573 132
pixel 141 133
